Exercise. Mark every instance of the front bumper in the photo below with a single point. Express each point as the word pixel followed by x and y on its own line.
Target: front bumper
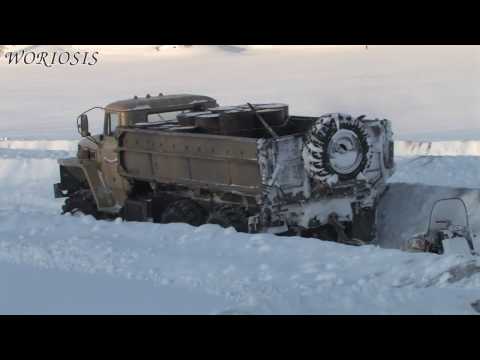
pixel 71 180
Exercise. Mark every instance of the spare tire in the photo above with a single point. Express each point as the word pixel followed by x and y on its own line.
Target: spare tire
pixel 83 202
pixel 336 148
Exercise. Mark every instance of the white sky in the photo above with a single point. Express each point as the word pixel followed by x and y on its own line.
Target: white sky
pixel 421 89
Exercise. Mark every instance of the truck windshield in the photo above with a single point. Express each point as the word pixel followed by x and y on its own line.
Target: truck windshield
pixel 163 117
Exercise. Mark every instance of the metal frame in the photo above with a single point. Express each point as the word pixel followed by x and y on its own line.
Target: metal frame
pixel 469 231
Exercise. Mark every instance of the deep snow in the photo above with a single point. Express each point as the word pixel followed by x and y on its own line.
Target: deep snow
pixel 88 265
pixel 28 290
pixel 62 264
pixel 260 274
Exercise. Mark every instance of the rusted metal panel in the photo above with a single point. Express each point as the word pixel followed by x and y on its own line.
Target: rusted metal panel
pixel 138 164
pixel 208 170
pixel 166 166
pixel 245 174
pixel 187 159
pixel 196 145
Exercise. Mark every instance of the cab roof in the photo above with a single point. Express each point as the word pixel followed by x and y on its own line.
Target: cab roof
pixel 161 103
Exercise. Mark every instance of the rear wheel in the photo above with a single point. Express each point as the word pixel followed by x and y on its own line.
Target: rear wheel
pixel 184 211
pixel 230 216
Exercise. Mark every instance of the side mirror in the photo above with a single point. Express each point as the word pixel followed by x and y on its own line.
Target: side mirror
pixel 84 125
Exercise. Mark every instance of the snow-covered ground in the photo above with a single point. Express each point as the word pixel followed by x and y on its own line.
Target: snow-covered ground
pixel 28 289
pixel 242 274
pixel 63 264
pixel 79 265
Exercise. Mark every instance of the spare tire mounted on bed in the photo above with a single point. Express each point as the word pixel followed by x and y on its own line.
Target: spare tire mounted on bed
pixel 336 149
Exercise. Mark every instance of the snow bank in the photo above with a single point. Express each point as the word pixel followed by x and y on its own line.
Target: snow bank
pixel 259 274
pixel 27 183
pixel 33 154
pixel 437 148
pixel 222 271
pixel 38 145
pixel 451 171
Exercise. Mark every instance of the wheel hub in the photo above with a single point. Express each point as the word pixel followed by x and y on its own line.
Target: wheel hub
pixel 344 151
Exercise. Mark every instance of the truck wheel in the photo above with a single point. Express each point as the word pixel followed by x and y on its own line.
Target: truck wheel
pixel 81 202
pixel 336 148
pixel 184 211
pixel 229 216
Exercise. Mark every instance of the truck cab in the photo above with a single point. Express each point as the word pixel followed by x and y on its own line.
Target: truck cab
pixel 95 166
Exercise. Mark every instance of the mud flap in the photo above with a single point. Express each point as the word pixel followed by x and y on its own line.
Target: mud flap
pixel 103 196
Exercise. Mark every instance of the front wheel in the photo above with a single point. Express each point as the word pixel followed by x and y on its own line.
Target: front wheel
pixel 81 202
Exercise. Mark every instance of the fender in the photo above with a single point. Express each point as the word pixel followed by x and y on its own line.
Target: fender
pixel 92 178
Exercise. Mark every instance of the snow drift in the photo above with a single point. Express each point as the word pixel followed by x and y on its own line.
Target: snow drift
pixel 438 148
pixel 219 270
pixel 254 274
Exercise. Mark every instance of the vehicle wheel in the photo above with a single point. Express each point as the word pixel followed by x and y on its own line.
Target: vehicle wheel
pixel 81 202
pixel 184 211
pixel 229 216
pixel 336 148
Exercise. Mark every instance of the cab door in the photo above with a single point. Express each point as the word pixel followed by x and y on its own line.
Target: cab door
pixel 109 160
